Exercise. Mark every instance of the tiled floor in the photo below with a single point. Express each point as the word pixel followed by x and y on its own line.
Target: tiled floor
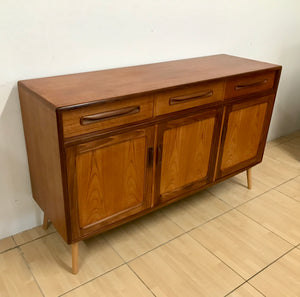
pixel 225 241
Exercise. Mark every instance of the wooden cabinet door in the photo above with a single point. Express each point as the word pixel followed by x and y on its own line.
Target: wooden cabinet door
pixel 109 178
pixel 186 154
pixel 244 135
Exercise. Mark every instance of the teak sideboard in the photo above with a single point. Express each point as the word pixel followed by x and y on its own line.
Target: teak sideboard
pixel 109 146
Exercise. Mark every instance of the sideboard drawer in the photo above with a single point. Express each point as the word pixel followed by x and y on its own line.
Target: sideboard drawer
pixel 187 97
pixel 248 84
pixel 106 115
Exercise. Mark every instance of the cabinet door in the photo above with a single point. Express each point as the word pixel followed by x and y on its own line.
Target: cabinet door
pixel 186 154
pixel 109 179
pixel 244 134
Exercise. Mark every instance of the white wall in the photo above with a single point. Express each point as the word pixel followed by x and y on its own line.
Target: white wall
pixel 43 38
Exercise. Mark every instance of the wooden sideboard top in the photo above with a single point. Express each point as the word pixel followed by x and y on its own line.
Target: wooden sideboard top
pixel 83 88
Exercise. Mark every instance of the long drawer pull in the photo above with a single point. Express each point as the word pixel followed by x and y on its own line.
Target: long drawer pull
pixel 257 83
pixel 182 99
pixel 102 116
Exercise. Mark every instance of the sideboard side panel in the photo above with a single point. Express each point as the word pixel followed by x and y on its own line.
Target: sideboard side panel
pixel 42 144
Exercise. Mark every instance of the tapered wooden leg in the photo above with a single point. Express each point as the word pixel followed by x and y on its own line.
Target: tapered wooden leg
pixel 45 224
pixel 249 178
pixel 75 258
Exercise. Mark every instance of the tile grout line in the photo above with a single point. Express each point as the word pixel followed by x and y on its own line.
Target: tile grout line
pixel 256 289
pixel 275 189
pixel 260 271
pixel 126 263
pixel 184 232
pixel 28 267
pixel 241 286
pixel 266 228
pixel 150 290
pixel 245 282
pixel 19 245
pixel 216 257
pixel 273 262
pixel 92 279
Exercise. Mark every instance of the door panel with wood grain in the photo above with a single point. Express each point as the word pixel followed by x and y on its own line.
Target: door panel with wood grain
pixel 245 130
pixel 186 158
pixel 112 176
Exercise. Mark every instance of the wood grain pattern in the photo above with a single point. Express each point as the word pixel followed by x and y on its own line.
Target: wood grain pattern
pixel 91 176
pixel 243 134
pixel 248 84
pixel 110 180
pixel 42 144
pixel 82 88
pixel 186 152
pixel 188 97
pixel 71 119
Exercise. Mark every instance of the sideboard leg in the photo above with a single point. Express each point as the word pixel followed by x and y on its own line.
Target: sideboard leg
pixel 75 258
pixel 249 178
pixel 45 223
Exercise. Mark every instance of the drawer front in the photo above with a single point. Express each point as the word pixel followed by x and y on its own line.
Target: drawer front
pixel 106 115
pixel 187 97
pixel 249 84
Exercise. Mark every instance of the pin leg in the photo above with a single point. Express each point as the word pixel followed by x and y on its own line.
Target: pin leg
pixel 249 178
pixel 45 223
pixel 75 258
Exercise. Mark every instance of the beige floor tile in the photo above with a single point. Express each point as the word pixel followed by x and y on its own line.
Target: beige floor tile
pixel 183 267
pixel 142 235
pixel 281 278
pixel 293 135
pixel 6 244
pixel 291 188
pixel 288 153
pixel 295 141
pixel 245 290
pixel 15 278
pixel 272 172
pixel 31 234
pixel 195 210
pixel 49 259
pixel 277 141
pixel 241 243
pixel 277 212
pixel 234 191
pixel 121 282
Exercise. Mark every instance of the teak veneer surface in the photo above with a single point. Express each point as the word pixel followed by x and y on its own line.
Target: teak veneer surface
pixel 109 146
pixel 82 88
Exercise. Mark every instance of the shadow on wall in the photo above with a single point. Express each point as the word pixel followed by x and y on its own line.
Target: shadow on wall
pixel 286 116
pixel 18 209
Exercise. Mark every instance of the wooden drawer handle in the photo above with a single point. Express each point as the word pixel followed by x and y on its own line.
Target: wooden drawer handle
pixel 257 83
pixel 199 95
pixel 102 116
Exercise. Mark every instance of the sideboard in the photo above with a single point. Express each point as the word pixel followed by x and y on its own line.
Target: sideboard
pixel 109 146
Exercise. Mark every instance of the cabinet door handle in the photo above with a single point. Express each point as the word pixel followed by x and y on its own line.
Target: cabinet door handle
pixel 150 156
pixel 254 84
pixel 102 116
pixel 199 95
